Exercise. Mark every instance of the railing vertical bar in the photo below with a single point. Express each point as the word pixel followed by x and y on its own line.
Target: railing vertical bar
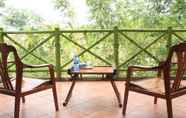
pixel 169 38
pixel 57 53
pixel 1 35
pixel 116 49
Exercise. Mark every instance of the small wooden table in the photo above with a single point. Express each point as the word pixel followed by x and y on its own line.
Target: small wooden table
pixel 106 71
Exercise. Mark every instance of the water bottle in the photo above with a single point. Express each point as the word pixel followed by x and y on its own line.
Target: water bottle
pixel 76 63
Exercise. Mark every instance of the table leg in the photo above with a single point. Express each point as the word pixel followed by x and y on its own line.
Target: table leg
pixel 116 92
pixel 69 93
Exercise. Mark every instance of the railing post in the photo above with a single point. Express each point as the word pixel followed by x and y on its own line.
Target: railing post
pixel 1 35
pixel 169 38
pixel 57 54
pixel 116 49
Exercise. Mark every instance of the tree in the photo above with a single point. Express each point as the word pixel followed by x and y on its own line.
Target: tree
pixel 161 6
pixel 20 18
pixel 2 5
pixel 102 12
pixel 67 11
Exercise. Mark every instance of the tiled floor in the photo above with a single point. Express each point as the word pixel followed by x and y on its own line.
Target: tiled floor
pixel 90 100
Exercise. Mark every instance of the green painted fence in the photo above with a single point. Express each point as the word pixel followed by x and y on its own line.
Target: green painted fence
pixel 116 47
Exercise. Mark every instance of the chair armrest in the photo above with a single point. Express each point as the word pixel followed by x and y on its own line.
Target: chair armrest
pixel 143 68
pixel 38 66
pixel 131 69
pixel 11 61
pixel 50 68
pixel 148 68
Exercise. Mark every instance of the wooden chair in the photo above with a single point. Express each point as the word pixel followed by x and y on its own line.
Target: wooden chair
pixel 166 86
pixel 19 87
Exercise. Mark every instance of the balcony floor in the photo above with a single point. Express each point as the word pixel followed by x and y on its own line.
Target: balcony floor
pixel 90 100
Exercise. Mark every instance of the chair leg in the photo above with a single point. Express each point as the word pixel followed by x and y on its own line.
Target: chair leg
pixel 17 107
pixel 155 100
pixel 23 99
pixel 55 97
pixel 125 99
pixel 169 108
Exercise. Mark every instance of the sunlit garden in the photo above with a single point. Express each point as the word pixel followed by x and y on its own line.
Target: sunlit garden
pixel 89 47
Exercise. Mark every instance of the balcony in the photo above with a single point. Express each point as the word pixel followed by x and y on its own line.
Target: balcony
pixel 91 99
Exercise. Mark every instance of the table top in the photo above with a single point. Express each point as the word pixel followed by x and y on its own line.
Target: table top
pixel 95 70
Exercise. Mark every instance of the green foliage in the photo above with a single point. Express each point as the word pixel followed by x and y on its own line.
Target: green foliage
pixel 104 14
pixel 21 18
pixel 160 6
pixel 62 5
pixel 2 3
pixel 102 11
pixel 67 11
pixel 137 13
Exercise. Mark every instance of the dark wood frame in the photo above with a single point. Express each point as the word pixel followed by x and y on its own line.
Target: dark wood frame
pixel 172 87
pixel 16 91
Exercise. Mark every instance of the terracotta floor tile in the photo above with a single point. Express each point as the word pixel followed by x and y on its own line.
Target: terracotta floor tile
pixel 90 100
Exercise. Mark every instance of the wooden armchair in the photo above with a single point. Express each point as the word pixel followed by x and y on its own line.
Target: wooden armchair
pixel 19 87
pixel 165 87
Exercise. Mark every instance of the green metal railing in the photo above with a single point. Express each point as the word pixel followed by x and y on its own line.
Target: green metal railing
pixel 119 38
